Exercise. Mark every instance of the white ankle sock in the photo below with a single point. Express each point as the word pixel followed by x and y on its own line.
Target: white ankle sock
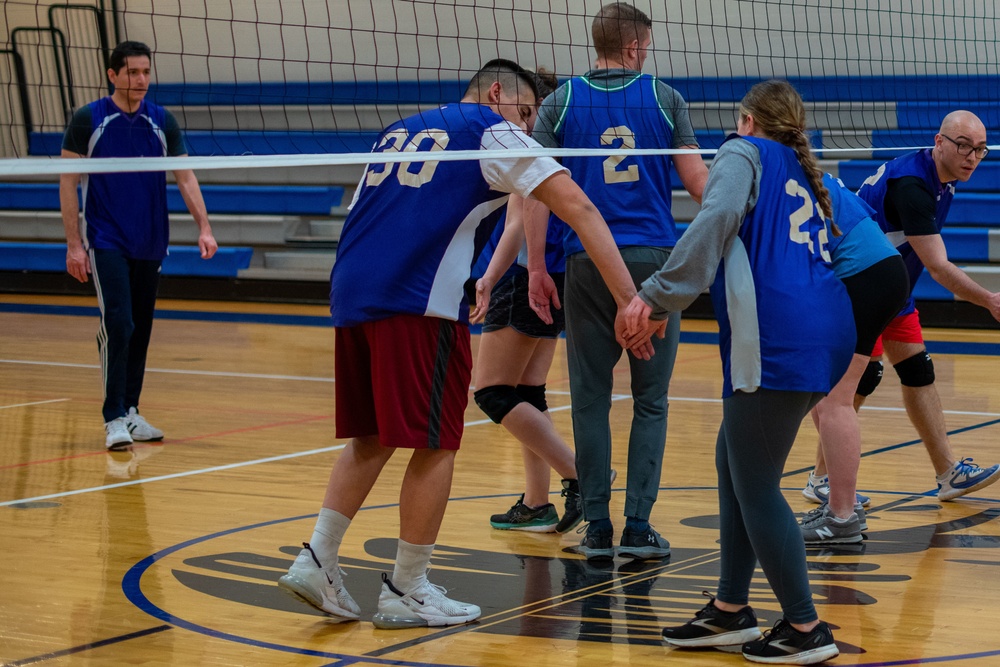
pixel 327 535
pixel 410 571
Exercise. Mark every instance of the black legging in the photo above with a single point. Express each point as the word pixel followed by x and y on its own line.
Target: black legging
pixel 126 293
pixel 757 433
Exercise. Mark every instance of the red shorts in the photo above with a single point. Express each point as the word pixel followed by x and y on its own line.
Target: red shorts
pixel 405 379
pixel 902 329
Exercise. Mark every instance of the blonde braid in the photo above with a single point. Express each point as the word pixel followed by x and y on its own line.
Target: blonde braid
pixel 778 111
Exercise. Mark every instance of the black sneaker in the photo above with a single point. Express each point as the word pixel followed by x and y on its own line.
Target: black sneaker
pixel 713 627
pixel 597 544
pixel 784 645
pixel 642 545
pixel 521 517
pixel 573 514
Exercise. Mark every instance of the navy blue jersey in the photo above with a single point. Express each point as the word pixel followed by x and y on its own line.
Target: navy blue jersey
pixel 861 243
pixel 124 211
pixel 415 228
pixel 873 191
pixel 785 320
pixel 631 192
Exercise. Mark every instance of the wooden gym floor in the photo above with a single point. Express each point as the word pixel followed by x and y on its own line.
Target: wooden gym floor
pixel 169 554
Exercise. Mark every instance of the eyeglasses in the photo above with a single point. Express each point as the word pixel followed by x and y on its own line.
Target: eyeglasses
pixel 965 149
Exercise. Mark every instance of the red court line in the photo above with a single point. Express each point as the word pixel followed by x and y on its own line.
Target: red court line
pixel 220 434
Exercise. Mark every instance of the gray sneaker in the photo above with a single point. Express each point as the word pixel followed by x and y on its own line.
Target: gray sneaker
pixel 821 527
pixel 642 545
pixel 859 509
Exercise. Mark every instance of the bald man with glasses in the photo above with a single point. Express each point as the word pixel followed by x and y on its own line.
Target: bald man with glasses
pixel 911 196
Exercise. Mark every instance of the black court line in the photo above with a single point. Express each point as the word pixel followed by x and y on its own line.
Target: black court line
pixel 86 647
pixel 541 605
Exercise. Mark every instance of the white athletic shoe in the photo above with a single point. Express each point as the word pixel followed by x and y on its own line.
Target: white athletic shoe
pixel 810 491
pixel 425 606
pixel 965 477
pixel 140 429
pixel 117 433
pixel 310 582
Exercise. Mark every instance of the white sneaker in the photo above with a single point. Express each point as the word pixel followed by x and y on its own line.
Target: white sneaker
pixel 965 477
pixel 810 491
pixel 141 430
pixel 310 582
pixel 422 607
pixel 117 433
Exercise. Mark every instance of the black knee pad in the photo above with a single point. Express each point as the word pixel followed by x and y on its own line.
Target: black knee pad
pixel 533 394
pixel 497 401
pixel 917 371
pixel 870 379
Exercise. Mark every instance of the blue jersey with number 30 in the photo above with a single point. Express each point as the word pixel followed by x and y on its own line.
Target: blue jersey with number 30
pixel 785 320
pixel 409 243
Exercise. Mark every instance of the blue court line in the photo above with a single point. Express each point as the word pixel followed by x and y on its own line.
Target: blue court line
pixel 690 337
pixel 86 647
pixel 909 443
pixel 132 589
pixel 196 315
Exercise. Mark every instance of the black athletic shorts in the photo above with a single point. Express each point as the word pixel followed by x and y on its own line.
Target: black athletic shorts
pixel 877 295
pixel 509 308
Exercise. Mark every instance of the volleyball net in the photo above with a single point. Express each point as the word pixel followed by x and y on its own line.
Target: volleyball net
pixel 300 83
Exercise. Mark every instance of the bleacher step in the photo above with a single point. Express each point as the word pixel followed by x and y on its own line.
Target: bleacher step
pixel 299 260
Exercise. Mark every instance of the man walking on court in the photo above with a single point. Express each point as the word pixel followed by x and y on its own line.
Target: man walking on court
pixel 403 352
pixel 612 106
pixel 121 237
pixel 911 196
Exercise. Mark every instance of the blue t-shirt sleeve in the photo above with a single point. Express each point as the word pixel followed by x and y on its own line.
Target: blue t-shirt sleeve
pixel 76 139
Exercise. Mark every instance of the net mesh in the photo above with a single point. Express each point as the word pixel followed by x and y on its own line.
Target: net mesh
pixel 307 77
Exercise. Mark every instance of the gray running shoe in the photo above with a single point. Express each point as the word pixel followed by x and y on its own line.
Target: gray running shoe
pixel 823 527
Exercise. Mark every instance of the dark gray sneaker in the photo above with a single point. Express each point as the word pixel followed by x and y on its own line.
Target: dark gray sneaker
pixel 821 527
pixel 573 514
pixel 713 627
pixel 597 544
pixel 646 544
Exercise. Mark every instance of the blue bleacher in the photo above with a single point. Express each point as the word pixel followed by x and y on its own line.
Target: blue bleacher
pixel 986 178
pixel 259 142
pixel 237 199
pixel 181 260
pixel 895 88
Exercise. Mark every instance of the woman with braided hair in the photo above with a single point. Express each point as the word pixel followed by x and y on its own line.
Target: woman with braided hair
pixel 786 334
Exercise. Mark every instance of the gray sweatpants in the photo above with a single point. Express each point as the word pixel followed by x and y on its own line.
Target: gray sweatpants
pixel 592 353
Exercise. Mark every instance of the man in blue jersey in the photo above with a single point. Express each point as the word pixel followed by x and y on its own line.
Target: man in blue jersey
pixel 403 353
pixel 121 237
pixel 612 106
pixel 911 196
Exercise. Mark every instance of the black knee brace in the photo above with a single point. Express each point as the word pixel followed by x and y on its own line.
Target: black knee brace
pixel 497 401
pixel 533 394
pixel 917 371
pixel 870 379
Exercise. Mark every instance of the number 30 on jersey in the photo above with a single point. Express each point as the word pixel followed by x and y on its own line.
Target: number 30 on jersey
pixel 401 141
